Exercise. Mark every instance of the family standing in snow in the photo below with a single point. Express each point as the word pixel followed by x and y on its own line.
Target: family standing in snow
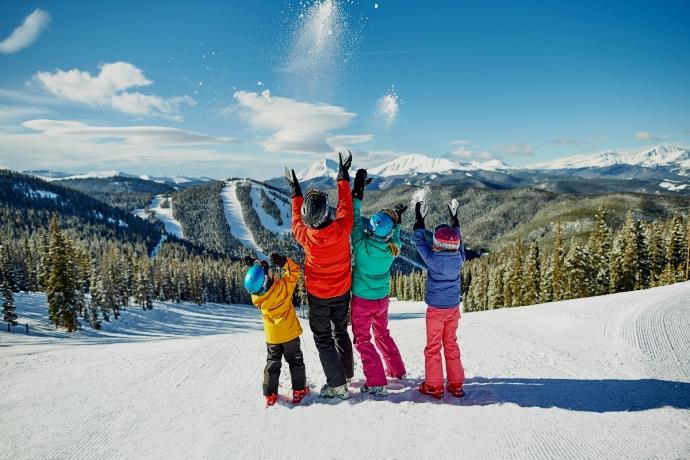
pixel 335 286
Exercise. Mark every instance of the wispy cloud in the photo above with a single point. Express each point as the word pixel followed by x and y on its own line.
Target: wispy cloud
pixel 647 136
pixel 130 134
pixel 522 150
pixel 10 112
pixel 27 33
pixel 346 140
pixel 298 127
pixel 460 142
pixel 388 107
pixel 110 89
pixel 564 141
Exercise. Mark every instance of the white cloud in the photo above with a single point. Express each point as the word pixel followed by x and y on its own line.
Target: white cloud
pixel 388 107
pixel 109 89
pixel 345 140
pixel 524 150
pixel 298 127
pixel 10 112
pixel 460 142
pixel 38 150
pixel 646 136
pixel 129 134
pixel 464 153
pixel 27 33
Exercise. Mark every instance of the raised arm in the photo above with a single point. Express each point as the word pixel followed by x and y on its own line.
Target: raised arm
pixel 344 213
pixel 419 229
pixel 291 274
pixel 299 230
pixel 357 235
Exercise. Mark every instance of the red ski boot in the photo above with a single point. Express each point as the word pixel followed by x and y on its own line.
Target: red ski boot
pixel 271 400
pixel 298 395
pixel 456 389
pixel 436 392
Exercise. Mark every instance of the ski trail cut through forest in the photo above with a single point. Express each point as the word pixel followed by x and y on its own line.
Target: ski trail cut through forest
pixel 232 209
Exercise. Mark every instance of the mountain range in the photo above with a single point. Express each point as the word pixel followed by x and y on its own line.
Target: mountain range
pixel 661 169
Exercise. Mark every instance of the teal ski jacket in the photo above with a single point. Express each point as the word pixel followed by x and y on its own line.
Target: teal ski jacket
pixel 371 278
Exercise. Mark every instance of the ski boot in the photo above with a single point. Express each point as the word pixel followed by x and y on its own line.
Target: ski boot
pixel 435 392
pixel 339 392
pixel 455 389
pixel 378 392
pixel 298 395
pixel 271 399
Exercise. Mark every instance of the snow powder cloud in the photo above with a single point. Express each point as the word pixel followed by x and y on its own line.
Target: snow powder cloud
pixel 388 107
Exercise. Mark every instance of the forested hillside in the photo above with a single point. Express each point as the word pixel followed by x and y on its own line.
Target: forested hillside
pixel 122 192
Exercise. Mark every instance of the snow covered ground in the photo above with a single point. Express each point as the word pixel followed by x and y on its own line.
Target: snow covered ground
pixel 165 215
pixel 267 221
pixel 235 218
pixel 605 377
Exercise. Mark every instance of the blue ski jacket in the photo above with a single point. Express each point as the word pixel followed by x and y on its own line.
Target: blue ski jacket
pixel 443 289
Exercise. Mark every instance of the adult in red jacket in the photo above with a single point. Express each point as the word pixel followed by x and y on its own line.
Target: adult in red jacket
pixel 328 273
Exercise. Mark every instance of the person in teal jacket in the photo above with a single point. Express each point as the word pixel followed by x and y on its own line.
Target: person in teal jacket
pixel 375 248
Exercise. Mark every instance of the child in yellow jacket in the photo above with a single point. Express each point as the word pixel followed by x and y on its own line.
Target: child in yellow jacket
pixel 272 294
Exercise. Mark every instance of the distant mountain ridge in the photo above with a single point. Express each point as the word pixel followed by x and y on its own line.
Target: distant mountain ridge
pixel 661 169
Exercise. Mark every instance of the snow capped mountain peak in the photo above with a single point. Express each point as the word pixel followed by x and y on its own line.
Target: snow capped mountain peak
pixel 661 155
pixel 321 168
pixel 417 163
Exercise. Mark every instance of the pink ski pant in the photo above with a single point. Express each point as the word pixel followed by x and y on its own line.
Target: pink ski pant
pixel 372 316
pixel 441 331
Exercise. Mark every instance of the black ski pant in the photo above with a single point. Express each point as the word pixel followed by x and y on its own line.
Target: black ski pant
pixel 328 323
pixel 293 355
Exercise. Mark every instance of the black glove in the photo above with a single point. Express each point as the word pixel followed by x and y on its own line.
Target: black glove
pixel 361 181
pixel 419 214
pixel 453 213
pixel 399 209
pixel 343 166
pixel 278 260
pixel 291 178
pixel 249 261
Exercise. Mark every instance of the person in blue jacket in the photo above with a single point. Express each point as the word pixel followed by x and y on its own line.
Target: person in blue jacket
pixel 444 259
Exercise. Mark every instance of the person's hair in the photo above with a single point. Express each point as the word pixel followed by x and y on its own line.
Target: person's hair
pixel 394 249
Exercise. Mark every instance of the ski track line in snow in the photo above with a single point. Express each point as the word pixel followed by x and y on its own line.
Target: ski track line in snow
pixel 200 396
pixel 233 215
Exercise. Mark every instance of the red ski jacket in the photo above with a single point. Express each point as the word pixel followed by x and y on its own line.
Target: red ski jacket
pixel 327 258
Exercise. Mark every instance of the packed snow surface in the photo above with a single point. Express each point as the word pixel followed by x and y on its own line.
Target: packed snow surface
pixel 235 218
pixel 41 194
pixel 604 377
pixel 671 186
pixel 165 215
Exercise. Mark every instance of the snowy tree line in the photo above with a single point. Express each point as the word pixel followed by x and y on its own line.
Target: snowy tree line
pixel 81 287
pixel 637 256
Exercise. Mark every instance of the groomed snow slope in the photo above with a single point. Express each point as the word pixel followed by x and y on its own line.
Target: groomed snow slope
pixel 165 215
pixel 605 377
pixel 235 218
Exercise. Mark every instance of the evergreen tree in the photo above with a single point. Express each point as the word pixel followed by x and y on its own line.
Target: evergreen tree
pixel 60 286
pixel 558 280
pixel 580 275
pixel 9 314
pixel 600 249
pixel 516 280
pixel 532 276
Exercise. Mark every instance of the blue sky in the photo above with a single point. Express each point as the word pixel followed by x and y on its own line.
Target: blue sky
pixel 221 88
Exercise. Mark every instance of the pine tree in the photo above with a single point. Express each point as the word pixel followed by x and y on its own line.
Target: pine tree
pixel 580 275
pixel 9 314
pixel 657 253
pixel 532 276
pixel 60 286
pixel 558 280
pixel 600 249
pixel 516 279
